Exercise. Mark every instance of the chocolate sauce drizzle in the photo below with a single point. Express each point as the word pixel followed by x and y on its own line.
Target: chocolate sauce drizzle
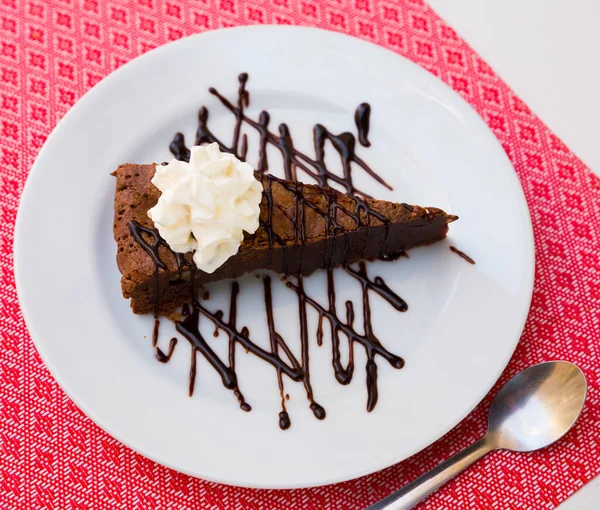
pixel 361 215
pixel 296 369
pixel 368 340
pixel 161 356
pixel 462 255
pixel 293 159
pixel 279 355
pixel 151 247
pixel 362 119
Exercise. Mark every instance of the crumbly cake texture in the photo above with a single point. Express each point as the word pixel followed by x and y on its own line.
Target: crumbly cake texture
pixel 295 252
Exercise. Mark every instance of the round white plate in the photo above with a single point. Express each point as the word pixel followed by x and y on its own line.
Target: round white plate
pixel 461 328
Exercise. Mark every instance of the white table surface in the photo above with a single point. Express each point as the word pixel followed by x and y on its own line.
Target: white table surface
pixel 546 50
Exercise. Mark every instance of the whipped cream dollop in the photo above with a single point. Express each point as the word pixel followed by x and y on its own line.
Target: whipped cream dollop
pixel 206 205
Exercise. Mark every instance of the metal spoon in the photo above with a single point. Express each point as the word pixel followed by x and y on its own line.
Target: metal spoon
pixel 534 409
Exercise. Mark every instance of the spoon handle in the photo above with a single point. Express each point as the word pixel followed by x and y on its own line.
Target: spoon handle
pixel 419 489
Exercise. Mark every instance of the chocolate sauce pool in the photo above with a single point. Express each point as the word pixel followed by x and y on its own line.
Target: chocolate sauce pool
pixel 342 328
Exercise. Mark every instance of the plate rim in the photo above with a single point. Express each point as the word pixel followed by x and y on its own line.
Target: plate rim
pixel 114 75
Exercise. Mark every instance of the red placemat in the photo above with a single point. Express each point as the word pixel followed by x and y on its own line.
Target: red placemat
pixel 52 456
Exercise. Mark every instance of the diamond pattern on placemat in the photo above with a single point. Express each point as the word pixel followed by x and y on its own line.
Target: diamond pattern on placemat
pixel 52 456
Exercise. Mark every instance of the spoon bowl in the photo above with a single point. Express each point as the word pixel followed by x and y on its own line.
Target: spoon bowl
pixel 537 407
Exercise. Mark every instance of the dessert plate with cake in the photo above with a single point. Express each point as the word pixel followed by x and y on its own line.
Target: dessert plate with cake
pixel 274 256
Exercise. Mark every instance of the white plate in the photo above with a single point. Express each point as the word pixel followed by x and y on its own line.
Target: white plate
pixel 463 323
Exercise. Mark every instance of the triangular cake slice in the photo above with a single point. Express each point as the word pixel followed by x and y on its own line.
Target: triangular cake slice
pixel 303 228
